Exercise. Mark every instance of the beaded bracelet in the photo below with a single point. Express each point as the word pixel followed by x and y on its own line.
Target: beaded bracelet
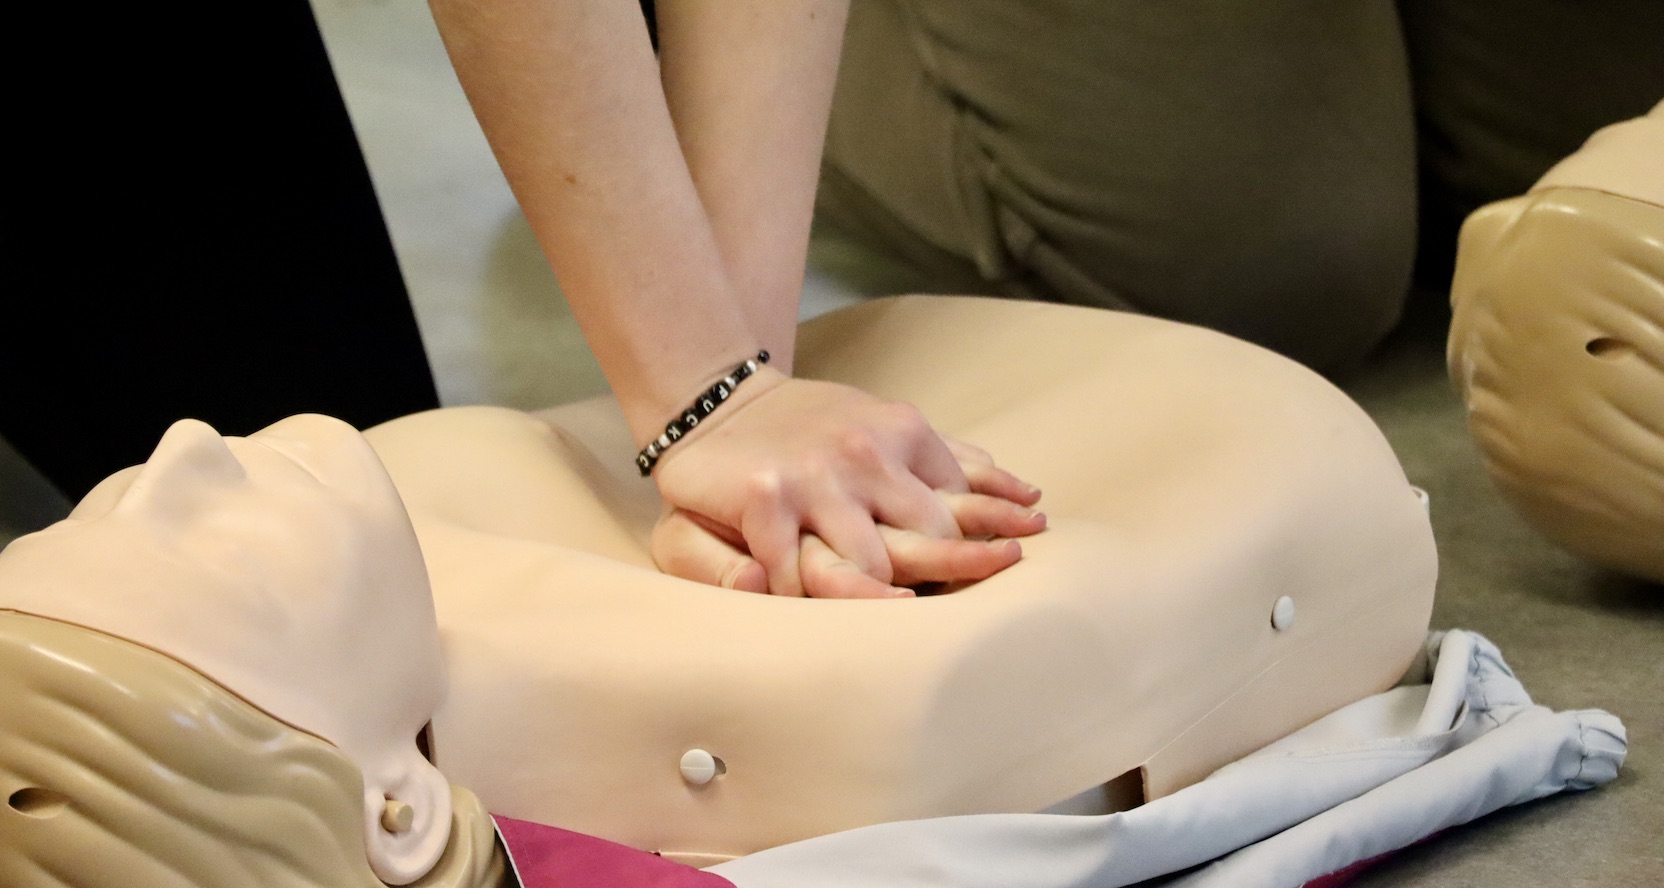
pixel 702 407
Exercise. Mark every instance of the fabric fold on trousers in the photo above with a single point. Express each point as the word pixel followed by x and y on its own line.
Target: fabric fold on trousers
pixel 1458 739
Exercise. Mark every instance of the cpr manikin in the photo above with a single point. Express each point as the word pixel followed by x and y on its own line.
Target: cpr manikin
pixel 1557 346
pixel 1233 551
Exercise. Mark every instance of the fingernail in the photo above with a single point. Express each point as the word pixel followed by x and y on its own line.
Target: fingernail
pixel 1006 547
pixel 902 592
pixel 1032 490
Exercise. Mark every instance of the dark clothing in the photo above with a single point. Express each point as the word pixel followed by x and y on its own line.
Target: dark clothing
pixel 1251 167
pixel 194 234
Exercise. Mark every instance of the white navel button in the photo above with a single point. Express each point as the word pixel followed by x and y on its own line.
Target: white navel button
pixel 700 767
pixel 1282 614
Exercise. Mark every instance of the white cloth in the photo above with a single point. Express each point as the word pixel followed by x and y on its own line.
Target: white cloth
pixel 1457 739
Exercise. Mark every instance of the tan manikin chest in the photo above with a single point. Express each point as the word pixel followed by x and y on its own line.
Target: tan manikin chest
pixel 1195 485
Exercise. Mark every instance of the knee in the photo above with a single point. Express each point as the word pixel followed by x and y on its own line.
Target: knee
pixel 1321 278
pixel 1314 267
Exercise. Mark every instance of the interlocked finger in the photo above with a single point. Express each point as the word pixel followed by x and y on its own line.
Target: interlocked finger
pixel 921 559
pixel 983 476
pixel 851 533
pixel 772 535
pixel 684 547
pixel 930 459
pixel 967 453
pixel 981 515
pixel 909 504
pixel 826 574
pixel 992 480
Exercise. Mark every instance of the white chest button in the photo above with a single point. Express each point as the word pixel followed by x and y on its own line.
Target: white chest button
pixel 1282 614
pixel 700 767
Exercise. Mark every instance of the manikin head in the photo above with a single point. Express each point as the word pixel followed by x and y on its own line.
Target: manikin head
pixel 1557 347
pixel 121 766
pixel 283 566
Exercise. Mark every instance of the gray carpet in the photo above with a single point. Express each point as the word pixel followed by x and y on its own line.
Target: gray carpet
pixel 1578 637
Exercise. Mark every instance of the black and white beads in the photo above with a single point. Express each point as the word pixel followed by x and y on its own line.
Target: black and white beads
pixel 702 407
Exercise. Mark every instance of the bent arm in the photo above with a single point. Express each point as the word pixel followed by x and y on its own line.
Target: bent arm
pixel 568 94
pixel 675 205
pixel 675 209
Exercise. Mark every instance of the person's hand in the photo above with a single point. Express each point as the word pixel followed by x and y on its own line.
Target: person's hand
pixel 798 487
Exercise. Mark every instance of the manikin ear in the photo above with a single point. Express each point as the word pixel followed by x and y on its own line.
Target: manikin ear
pixel 190 464
pixel 407 819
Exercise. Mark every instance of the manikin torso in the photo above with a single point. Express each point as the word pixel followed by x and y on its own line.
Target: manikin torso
pixel 1233 551
pixel 1192 481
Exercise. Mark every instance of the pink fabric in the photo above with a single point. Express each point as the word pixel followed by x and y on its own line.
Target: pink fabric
pixel 1344 876
pixel 549 857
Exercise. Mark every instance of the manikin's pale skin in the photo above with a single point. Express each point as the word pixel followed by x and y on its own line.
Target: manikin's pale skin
pixel 1193 481
pixel 1234 552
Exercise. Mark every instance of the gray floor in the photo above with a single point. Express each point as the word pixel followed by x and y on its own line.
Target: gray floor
pixel 497 332
pixel 1578 637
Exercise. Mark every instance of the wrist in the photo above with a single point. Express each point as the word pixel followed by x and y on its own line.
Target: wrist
pixel 759 386
pixel 701 409
pixel 660 383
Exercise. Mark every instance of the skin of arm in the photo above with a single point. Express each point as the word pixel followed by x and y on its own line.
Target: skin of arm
pixel 673 201
pixel 749 88
pixel 569 96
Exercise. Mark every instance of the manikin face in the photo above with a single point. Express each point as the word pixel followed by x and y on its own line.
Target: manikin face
pixel 284 567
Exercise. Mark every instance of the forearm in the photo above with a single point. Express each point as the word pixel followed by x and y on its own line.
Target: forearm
pixel 569 96
pixel 749 86
pixel 675 206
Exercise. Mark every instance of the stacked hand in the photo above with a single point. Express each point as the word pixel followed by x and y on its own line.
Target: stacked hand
pixel 797 487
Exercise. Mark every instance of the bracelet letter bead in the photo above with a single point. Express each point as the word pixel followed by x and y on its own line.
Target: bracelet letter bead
pixel 702 407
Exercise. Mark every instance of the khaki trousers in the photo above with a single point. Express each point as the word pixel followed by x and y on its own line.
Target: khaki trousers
pixel 1249 166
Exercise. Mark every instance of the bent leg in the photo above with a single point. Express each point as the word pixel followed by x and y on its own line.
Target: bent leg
pixel 1244 169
